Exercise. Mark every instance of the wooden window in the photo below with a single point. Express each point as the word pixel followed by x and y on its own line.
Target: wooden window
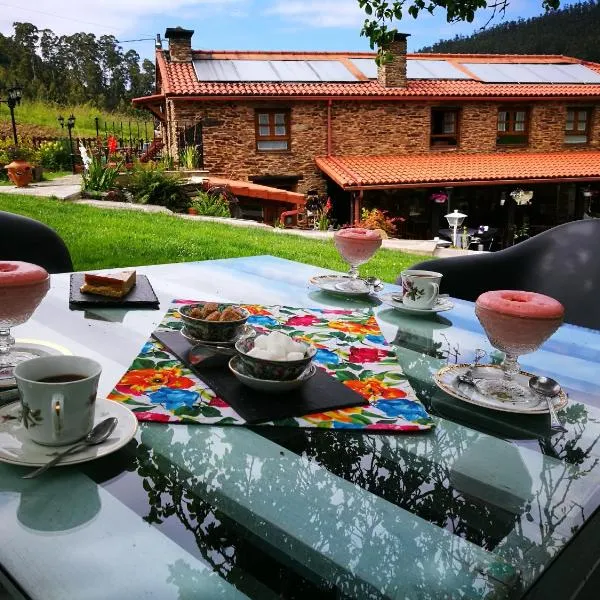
pixel 272 130
pixel 577 125
pixel 444 127
pixel 513 127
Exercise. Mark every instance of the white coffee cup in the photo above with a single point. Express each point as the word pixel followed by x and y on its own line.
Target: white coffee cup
pixel 58 397
pixel 420 289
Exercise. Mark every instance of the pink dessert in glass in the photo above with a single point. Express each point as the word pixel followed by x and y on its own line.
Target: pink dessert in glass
pixel 516 323
pixel 22 287
pixel 356 246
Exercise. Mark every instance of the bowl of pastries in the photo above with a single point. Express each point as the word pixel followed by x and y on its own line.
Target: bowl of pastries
pixel 214 322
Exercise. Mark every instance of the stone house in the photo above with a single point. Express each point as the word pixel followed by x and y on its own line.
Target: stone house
pixel 470 128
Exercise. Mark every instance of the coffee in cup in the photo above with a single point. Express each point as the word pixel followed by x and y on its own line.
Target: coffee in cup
pixel 420 289
pixel 58 397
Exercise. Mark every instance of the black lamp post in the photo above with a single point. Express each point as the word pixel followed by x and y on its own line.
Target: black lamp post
pixel 70 125
pixel 14 99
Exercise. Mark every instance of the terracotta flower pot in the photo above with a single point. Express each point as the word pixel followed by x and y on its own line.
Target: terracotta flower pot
pixel 19 172
pixel 192 211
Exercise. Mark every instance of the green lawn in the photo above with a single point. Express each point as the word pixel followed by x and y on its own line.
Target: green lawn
pixel 36 112
pixel 104 238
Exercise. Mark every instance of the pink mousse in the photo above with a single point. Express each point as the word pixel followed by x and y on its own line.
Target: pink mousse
pixel 356 244
pixel 22 287
pixel 518 322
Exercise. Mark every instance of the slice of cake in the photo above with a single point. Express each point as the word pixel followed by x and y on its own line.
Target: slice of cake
pixel 115 285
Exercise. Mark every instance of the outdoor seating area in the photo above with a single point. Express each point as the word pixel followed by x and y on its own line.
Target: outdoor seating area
pixel 300 324
pixel 399 412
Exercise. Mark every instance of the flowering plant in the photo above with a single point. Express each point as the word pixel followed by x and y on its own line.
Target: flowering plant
pixel 439 197
pixel 322 216
pixel 521 197
pixel 378 219
pixel 112 144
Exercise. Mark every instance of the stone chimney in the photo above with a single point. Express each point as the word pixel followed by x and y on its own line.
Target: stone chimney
pixel 392 74
pixel 180 43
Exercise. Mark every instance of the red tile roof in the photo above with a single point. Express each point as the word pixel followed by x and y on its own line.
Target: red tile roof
pixel 179 79
pixel 449 168
pixel 254 190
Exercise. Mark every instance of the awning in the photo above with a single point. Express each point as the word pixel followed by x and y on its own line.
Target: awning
pixel 459 169
pixel 263 192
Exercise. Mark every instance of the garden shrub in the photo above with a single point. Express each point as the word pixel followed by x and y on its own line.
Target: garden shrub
pixel 149 184
pixel 98 177
pixel 211 205
pixel 55 156
pixel 377 219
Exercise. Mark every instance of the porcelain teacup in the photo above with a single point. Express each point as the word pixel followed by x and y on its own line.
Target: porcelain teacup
pixel 58 397
pixel 420 289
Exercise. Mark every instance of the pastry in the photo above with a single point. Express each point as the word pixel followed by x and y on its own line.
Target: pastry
pixel 114 285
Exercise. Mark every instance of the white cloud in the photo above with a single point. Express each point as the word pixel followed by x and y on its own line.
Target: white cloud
pixel 319 13
pixel 103 16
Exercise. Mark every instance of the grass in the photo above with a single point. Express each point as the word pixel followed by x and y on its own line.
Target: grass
pixel 44 115
pixel 103 238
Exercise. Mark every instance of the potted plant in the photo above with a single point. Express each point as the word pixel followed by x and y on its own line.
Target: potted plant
pixel 19 169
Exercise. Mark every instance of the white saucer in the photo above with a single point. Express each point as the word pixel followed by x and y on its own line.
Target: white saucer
pixel 441 305
pixel 17 449
pixel 330 283
pixel 269 386
pixel 531 404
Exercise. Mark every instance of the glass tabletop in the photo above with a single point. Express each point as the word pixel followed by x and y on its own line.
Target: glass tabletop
pixel 478 507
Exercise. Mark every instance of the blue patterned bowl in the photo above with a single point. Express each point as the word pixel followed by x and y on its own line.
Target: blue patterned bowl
pixel 213 331
pixel 275 370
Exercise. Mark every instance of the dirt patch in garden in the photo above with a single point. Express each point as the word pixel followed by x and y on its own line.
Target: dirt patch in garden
pixel 27 130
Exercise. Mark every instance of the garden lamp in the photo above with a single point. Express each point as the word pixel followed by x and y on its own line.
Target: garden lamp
pixel 14 95
pixel 455 220
pixel 61 120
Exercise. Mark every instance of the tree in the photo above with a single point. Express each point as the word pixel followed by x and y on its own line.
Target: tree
pixel 381 13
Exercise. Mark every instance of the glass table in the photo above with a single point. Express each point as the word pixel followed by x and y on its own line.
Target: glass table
pixel 487 505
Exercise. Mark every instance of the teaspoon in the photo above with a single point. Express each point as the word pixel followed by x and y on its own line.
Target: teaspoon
pixel 548 389
pixel 96 436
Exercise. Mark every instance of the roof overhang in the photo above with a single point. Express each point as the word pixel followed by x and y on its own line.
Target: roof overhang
pixel 255 190
pixel 459 169
pixel 155 104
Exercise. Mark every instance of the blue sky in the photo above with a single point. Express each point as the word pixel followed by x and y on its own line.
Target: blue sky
pixel 237 24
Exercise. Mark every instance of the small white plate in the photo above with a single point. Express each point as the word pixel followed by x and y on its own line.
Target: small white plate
pixel 531 403
pixel 17 449
pixel 269 386
pixel 441 305
pixel 330 283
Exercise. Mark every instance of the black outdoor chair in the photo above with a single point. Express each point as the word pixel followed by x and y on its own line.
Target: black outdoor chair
pixel 30 241
pixel 562 262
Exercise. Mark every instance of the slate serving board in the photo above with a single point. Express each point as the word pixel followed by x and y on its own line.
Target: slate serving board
pixel 141 296
pixel 320 393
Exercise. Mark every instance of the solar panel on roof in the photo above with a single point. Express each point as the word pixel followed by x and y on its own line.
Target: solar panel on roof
pixel 415 69
pixel 272 70
pixel 533 73
pixel 331 70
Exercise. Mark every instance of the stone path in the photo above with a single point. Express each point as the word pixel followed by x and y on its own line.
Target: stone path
pixel 69 188
pixel 63 188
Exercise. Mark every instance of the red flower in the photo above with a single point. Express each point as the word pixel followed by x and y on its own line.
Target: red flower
pixel 366 355
pixel 152 416
pixel 302 321
pixel 112 144
pixel 216 401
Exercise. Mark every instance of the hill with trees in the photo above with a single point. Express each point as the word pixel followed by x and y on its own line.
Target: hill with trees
pixel 73 69
pixel 570 31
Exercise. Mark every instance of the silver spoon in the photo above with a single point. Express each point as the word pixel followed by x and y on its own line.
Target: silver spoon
pixel 96 436
pixel 548 389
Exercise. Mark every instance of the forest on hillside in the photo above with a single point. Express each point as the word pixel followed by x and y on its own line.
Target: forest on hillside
pixel 73 69
pixel 571 31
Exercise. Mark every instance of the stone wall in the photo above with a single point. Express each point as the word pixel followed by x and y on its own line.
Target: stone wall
pixel 369 128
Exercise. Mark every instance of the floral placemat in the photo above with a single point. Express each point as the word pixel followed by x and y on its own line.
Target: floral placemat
pixel 350 347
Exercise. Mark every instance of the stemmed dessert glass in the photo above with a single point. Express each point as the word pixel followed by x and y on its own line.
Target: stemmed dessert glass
pixel 356 246
pixel 18 300
pixel 515 323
